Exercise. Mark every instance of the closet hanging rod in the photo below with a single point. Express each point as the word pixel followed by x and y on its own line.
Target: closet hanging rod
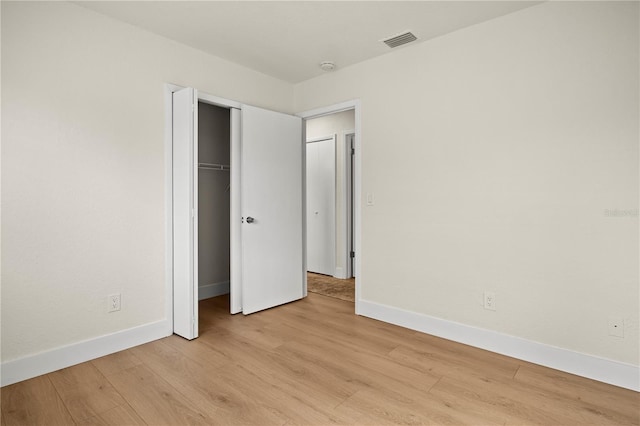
pixel 209 166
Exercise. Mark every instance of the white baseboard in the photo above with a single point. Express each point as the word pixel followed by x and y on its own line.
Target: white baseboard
pixel 592 367
pixel 212 290
pixel 46 362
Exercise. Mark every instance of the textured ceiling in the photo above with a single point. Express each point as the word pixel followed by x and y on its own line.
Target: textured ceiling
pixel 288 39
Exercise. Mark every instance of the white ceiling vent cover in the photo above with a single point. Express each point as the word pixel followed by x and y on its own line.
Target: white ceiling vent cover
pixel 400 39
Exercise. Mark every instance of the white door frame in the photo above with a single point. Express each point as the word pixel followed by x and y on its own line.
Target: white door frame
pixel 357 174
pixel 347 203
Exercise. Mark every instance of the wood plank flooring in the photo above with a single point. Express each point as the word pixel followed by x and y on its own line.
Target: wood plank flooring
pixel 311 362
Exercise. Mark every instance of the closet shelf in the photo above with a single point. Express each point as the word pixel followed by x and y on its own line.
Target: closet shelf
pixel 210 166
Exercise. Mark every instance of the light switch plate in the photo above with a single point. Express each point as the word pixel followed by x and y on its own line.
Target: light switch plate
pixel 370 200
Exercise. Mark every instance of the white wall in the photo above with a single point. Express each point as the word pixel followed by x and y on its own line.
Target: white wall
pixel 493 154
pixel 335 124
pixel 83 185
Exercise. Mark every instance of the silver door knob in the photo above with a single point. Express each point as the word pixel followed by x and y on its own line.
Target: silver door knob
pixel 250 219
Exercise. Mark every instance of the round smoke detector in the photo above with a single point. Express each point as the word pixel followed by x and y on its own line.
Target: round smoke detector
pixel 327 66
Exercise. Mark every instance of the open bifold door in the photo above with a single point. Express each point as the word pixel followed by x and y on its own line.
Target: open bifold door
pixel 185 211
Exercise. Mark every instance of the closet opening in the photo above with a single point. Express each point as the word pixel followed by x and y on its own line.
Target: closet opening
pixel 213 201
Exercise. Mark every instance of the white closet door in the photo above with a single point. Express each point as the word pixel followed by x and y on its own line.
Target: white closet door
pixel 185 210
pixel 321 206
pixel 272 194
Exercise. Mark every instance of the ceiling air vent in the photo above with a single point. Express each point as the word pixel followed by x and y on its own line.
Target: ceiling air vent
pixel 400 39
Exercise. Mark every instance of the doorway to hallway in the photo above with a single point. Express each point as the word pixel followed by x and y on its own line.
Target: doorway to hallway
pixel 330 149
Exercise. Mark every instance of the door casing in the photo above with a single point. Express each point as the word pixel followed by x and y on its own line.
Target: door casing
pixel 349 202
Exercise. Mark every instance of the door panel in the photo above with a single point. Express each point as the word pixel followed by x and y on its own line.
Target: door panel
pixel 272 195
pixel 185 232
pixel 321 206
pixel 235 290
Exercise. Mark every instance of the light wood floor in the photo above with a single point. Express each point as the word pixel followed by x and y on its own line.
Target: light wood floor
pixel 311 362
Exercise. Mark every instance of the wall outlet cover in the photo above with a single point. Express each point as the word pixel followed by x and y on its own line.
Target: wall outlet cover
pixel 490 300
pixel 113 302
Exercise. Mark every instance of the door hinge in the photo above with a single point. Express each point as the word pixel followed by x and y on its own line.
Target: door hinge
pixel 352 254
pixel 353 151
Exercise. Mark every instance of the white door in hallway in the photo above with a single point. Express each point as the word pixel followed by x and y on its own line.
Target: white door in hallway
pixel 321 206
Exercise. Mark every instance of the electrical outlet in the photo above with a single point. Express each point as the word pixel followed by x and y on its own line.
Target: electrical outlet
pixel 616 326
pixel 490 300
pixel 113 301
